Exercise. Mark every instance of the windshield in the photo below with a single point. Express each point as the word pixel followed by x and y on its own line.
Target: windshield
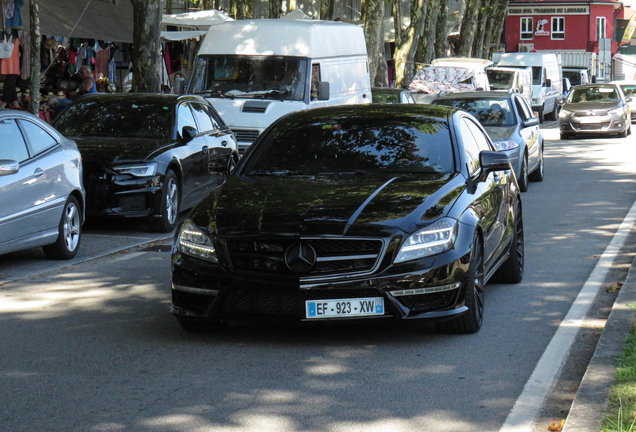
pixel 500 80
pixel 354 146
pixel 255 77
pixel 593 94
pixel 489 112
pixel 116 118
pixel 573 76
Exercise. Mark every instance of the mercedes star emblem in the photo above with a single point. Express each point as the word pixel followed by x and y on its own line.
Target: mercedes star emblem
pixel 300 257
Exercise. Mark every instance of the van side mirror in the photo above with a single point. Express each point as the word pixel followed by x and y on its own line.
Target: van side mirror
pixel 548 83
pixel 188 133
pixel 179 85
pixel 323 90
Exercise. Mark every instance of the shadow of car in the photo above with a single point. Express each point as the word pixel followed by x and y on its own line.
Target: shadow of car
pixel 595 109
pixel 511 125
pixel 354 212
pixel 391 95
pixel 41 187
pixel 147 155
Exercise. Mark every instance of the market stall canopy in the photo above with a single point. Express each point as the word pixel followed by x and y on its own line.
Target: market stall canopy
pixel 110 20
pixel 181 35
pixel 198 20
pixel 296 14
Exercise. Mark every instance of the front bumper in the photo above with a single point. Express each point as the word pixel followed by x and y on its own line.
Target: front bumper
pixel 430 288
pixel 123 195
pixel 593 124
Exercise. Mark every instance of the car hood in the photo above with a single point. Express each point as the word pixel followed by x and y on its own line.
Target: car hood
pixel 500 133
pixel 593 106
pixel 328 205
pixel 106 151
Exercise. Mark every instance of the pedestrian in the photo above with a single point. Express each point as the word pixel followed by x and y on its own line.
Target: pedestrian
pixel 9 93
pixel 88 83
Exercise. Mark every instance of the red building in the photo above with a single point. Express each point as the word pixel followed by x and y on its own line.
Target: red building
pixel 567 26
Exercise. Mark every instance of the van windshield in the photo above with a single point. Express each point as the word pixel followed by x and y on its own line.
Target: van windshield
pixel 573 76
pixel 252 77
pixel 500 80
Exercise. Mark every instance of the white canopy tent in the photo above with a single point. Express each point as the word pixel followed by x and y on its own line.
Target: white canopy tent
pixel 200 20
pixel 181 35
pixel 296 14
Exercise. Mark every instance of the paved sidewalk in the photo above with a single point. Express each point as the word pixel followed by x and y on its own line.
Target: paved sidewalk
pixel 588 410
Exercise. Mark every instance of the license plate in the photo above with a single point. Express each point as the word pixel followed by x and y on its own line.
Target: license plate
pixel 587 120
pixel 345 307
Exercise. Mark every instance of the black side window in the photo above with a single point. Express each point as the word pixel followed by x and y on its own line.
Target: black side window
pixel 471 148
pixel 214 116
pixel 13 146
pixel 203 119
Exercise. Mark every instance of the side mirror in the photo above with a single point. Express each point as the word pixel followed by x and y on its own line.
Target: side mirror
pixel 491 161
pixel 520 87
pixel 560 102
pixel 179 86
pixel 534 121
pixel 629 99
pixel 323 90
pixel 548 83
pixel 188 133
pixel 8 167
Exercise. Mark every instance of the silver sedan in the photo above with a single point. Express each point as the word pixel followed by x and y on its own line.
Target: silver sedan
pixel 595 109
pixel 40 186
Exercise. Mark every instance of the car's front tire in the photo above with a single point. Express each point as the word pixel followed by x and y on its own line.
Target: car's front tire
pixel 537 174
pixel 170 201
pixel 472 319
pixel 69 233
pixel 512 270
pixel 523 174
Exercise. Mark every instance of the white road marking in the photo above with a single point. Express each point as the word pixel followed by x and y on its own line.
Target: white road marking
pixel 526 410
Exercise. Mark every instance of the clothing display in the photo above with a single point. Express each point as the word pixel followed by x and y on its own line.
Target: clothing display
pixel 102 58
pixel 12 14
pixel 11 65
pixel 25 45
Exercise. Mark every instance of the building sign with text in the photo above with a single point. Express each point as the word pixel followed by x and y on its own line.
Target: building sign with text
pixel 549 10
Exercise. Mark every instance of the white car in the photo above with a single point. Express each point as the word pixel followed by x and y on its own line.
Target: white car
pixel 629 88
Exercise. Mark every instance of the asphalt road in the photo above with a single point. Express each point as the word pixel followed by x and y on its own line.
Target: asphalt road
pixel 91 346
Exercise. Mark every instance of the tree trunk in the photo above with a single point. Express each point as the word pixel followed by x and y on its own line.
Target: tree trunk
pixel 478 42
pixel 36 38
pixel 145 55
pixel 499 18
pixel 428 39
pixel 239 9
pixel 168 7
pixel 469 27
pixel 275 7
pixel 374 37
pixel 397 21
pixel 405 53
pixel 487 36
pixel 441 33
pixel 324 9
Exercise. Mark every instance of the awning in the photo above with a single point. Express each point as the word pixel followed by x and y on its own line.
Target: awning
pixel 86 19
pixel 296 14
pixel 181 35
pixel 196 20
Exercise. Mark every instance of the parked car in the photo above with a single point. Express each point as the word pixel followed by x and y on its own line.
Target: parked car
pixel 595 109
pixel 40 186
pixel 399 211
pixel 147 155
pixel 391 95
pixel 511 125
pixel 629 90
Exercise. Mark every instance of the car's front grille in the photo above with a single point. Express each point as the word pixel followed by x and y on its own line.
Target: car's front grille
pixel 333 256
pixel 593 126
pixel 246 135
pixel 280 303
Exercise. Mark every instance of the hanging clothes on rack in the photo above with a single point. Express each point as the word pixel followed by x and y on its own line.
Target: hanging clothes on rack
pixel 102 58
pixel 11 65
pixel 11 11
pixel 25 44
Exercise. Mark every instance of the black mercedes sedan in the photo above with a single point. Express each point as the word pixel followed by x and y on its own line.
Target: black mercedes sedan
pixel 354 212
pixel 147 155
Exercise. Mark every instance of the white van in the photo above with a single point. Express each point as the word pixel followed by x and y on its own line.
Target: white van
pixel 577 76
pixel 506 78
pixel 477 65
pixel 255 71
pixel 547 80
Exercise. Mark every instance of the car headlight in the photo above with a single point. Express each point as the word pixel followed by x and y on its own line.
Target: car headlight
pixel 436 238
pixel 505 145
pixel 137 170
pixel 617 111
pixel 195 242
pixel 565 113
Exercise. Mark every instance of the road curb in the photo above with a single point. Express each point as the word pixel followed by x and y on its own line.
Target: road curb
pixel 588 409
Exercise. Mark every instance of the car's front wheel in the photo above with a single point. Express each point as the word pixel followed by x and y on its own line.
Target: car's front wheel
pixel 169 210
pixel 537 174
pixel 471 320
pixel 523 174
pixel 70 233
pixel 512 270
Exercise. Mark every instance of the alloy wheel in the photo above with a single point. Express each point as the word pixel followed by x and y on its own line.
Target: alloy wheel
pixel 71 227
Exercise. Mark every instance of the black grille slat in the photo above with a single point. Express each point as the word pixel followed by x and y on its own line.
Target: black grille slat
pixel 246 135
pixel 281 303
pixel 429 302
pixel 334 256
